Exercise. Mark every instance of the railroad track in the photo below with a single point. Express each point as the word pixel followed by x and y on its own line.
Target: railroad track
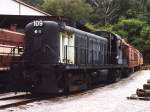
pixel 17 100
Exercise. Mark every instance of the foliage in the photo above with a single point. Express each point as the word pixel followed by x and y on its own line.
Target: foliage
pixel 108 11
pixel 136 31
pixel 131 26
pixel 145 34
pixel 91 26
pixel 34 2
pixel 76 9
pixel 99 27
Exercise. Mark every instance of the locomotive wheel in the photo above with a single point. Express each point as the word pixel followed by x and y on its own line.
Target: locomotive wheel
pixel 89 83
pixel 117 75
pixel 74 82
pixel 125 73
pixel 66 83
pixel 114 76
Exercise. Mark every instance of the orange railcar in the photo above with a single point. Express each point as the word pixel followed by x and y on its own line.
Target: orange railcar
pixel 11 44
pixel 131 55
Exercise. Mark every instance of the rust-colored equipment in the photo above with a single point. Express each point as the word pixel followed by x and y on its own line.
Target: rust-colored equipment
pixel 11 49
pixel 133 57
pixel 11 45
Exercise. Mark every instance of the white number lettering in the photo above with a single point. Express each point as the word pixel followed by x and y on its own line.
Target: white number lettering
pixel 38 23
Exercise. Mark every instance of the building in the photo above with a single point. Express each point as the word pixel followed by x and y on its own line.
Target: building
pixel 17 7
pixel 15 15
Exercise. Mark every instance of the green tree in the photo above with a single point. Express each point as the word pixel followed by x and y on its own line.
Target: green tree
pixel 138 9
pixel 137 32
pixel 76 9
pixel 139 5
pixel 145 35
pixel 107 11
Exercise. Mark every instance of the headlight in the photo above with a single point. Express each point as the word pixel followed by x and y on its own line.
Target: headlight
pixel 38 31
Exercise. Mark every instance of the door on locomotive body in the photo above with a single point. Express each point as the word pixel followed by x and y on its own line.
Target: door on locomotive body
pixel 90 51
pixel 101 45
pixel 83 47
pixel 119 56
pixel 97 52
pixel 67 47
pixel 113 51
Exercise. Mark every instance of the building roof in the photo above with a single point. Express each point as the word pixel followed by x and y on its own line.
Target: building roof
pixel 20 2
pixel 22 20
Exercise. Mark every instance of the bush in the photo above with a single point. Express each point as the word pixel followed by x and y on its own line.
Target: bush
pixel 129 27
pixel 98 27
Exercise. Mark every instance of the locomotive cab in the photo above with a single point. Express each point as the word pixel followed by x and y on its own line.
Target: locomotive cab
pixel 114 47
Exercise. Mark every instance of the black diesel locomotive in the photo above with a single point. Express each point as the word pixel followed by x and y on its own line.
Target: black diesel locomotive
pixel 59 58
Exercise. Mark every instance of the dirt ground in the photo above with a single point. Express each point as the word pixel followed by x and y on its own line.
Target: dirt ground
pixel 111 98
